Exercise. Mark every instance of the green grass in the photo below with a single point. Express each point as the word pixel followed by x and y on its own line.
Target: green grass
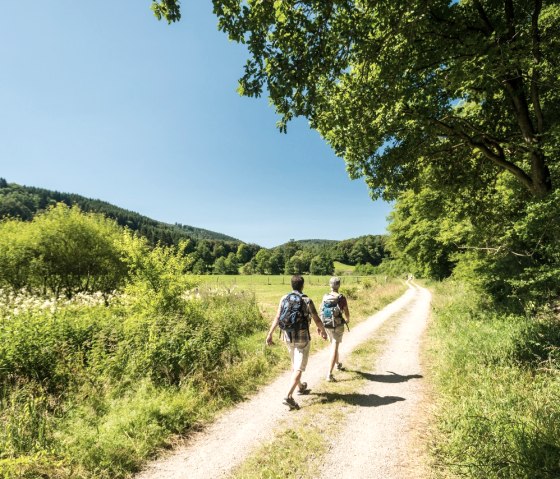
pixel 342 269
pixel 269 289
pixel 498 410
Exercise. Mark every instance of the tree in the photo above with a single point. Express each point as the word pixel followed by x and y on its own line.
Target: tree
pixel 243 253
pixel 262 259
pixel 219 250
pixel 399 87
pixel 424 233
pixel 321 264
pixel 231 264
pixel 250 267
pixel 62 251
pixel 502 241
pixel 276 262
pixel 220 266
pixel 204 253
pixel 359 253
pixel 294 266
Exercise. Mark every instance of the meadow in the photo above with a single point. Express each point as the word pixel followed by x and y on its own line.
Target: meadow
pixel 268 289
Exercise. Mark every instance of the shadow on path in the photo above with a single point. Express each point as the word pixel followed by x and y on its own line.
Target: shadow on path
pixel 388 378
pixel 355 399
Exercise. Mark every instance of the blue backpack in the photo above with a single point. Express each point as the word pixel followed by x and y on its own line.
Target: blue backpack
pixel 293 315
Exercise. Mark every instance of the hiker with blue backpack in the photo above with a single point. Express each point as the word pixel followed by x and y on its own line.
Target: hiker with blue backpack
pixel 293 318
pixel 334 316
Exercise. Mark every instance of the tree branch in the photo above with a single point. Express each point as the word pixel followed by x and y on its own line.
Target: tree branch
pixel 489 28
pixel 510 18
pixel 498 158
pixel 495 250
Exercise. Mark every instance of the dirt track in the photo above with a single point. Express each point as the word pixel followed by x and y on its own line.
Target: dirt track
pixel 379 440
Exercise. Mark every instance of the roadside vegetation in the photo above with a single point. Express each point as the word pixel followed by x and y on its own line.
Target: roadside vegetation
pixel 497 379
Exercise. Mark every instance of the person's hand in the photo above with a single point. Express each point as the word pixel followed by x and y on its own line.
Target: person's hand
pixel 269 340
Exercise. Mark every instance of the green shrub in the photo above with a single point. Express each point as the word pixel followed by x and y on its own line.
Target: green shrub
pixel 62 251
pixel 96 388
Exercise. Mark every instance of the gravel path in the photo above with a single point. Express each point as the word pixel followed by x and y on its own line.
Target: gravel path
pixel 219 448
pixel 378 439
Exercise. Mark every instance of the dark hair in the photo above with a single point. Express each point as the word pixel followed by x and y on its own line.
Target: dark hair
pixel 297 282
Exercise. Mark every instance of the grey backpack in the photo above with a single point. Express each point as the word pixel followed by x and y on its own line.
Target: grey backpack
pixel 331 314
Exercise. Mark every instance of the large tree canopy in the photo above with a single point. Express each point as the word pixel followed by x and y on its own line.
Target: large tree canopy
pixel 467 89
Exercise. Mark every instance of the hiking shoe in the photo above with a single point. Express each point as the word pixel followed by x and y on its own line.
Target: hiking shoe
pixel 290 403
pixel 302 389
pixel 339 366
pixel 331 379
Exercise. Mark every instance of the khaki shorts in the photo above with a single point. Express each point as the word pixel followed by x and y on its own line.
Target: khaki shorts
pixel 299 354
pixel 335 334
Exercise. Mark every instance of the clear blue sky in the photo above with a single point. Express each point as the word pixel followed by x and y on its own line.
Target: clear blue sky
pixel 102 100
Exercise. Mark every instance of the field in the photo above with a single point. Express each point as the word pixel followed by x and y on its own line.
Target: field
pixel 269 289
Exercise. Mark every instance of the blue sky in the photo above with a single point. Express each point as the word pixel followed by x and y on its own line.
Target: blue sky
pixel 102 100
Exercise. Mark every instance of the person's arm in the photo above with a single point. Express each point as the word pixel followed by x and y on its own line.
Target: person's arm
pixel 273 325
pixel 346 313
pixel 320 327
pixel 345 310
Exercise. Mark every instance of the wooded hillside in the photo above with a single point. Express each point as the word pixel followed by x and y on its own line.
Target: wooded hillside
pixel 25 201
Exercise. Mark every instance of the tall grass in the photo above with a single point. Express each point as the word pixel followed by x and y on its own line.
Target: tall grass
pixel 91 391
pixel 498 379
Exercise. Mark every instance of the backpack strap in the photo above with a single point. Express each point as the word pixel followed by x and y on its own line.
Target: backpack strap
pixel 307 316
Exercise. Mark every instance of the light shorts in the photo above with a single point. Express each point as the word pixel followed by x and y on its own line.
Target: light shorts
pixel 299 354
pixel 335 334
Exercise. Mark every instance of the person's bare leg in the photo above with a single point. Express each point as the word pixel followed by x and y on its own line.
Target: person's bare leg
pixel 334 356
pixel 296 376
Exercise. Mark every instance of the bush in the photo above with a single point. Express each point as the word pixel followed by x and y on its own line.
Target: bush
pixel 62 252
pixel 91 385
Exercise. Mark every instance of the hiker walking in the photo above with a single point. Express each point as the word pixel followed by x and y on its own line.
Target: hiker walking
pixel 334 315
pixel 293 318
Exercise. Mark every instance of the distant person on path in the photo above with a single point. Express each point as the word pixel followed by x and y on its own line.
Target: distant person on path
pixel 293 318
pixel 334 315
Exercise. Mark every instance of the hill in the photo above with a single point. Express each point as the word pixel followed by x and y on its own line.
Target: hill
pixel 25 201
pixel 368 249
